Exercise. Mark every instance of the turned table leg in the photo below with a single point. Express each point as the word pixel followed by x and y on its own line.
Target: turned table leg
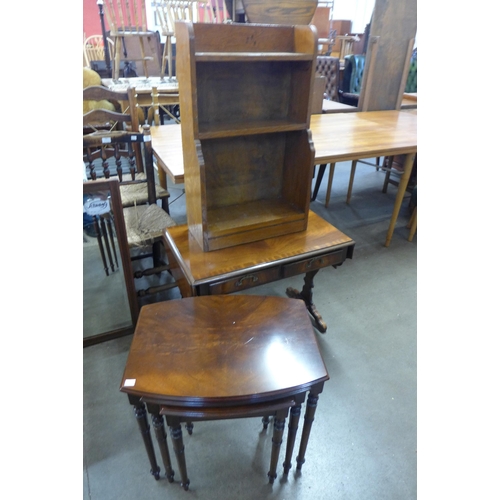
pixel 306 295
pixel 142 420
pixel 293 425
pixel 265 422
pixel 312 403
pixel 176 435
pixel 161 437
pixel 279 426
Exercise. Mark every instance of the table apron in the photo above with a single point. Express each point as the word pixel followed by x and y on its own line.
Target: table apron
pixel 282 270
pixel 337 158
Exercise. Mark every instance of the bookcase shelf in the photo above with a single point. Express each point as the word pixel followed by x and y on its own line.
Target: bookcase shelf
pixel 245 96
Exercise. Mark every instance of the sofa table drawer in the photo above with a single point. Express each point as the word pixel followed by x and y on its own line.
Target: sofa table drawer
pixel 317 262
pixel 245 281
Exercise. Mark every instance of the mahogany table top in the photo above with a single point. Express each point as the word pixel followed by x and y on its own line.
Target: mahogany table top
pixel 223 349
pixel 200 267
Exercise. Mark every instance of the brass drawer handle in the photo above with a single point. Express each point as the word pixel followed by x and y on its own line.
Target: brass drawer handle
pixel 315 259
pixel 248 276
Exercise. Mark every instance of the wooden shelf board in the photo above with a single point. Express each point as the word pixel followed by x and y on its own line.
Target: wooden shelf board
pixel 227 129
pixel 251 56
pixel 249 216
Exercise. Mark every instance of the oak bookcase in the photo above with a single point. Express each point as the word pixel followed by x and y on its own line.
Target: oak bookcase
pixel 245 102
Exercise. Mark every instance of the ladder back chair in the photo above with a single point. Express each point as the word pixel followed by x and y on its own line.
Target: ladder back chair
pixel 144 222
pixel 99 119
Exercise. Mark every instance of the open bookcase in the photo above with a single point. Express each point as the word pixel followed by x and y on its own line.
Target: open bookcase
pixel 245 100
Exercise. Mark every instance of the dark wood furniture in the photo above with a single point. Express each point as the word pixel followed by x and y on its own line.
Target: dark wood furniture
pixel 246 96
pixel 223 357
pixel 245 266
pixel 117 153
pixel 125 118
pixel 110 189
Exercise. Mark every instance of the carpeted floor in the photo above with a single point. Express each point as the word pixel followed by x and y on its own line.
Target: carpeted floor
pixel 363 443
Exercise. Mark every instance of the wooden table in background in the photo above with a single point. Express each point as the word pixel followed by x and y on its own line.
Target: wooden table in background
pixel 337 137
pixel 166 93
pixel 245 266
pixel 356 136
pixel 409 100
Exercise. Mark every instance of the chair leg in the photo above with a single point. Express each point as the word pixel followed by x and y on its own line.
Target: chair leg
pixel 164 60
pixel 116 65
pixel 319 178
pixel 143 56
pixel 329 187
pixel 165 206
pixel 387 174
pixel 351 181
pixel 157 262
pixel 170 71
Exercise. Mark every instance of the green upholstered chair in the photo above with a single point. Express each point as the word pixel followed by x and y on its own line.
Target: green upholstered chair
pixel 353 76
pixel 411 83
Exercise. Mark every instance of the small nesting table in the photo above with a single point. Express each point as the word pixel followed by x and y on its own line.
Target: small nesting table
pixel 223 357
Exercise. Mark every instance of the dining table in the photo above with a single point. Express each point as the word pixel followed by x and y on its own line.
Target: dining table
pixel 337 137
pixel 152 92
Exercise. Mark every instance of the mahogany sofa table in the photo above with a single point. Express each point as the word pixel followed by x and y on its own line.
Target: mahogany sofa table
pixel 223 357
pixel 241 267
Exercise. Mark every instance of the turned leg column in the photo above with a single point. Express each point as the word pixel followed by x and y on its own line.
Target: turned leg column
pixel 176 435
pixel 161 437
pixel 279 426
pixel 293 425
pixel 312 403
pixel 142 420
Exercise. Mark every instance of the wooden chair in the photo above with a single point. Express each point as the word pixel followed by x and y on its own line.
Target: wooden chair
pixel 105 120
pixel 214 11
pixel 167 13
pixel 127 22
pixel 102 199
pixel 144 222
pixel 93 49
